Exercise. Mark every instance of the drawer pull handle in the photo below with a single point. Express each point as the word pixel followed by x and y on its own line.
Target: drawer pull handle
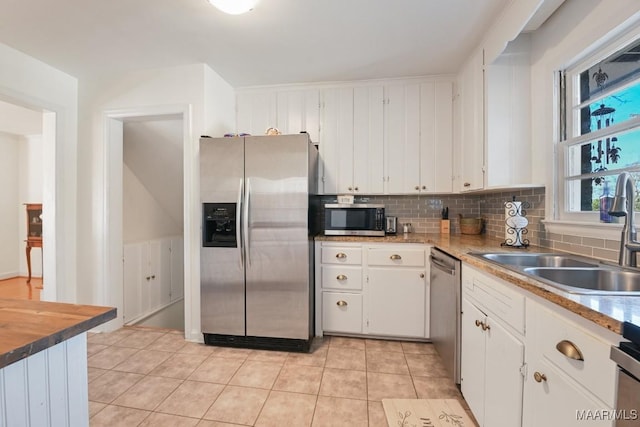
pixel 341 303
pixel 395 257
pixel 570 350
pixel 341 255
pixel 341 277
pixel 539 377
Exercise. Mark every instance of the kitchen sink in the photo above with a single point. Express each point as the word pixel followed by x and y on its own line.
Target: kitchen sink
pixel 589 280
pixel 570 273
pixel 536 260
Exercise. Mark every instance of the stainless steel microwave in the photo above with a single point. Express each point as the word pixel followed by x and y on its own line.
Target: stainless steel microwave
pixel 353 219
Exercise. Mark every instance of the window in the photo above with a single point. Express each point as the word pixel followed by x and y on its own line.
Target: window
pixel 600 127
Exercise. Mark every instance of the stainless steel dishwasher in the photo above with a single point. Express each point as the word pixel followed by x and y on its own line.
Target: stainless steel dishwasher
pixel 444 309
pixel 627 356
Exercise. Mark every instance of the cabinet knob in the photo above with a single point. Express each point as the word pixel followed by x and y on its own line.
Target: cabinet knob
pixel 424 187
pixel 395 257
pixel 467 184
pixel 485 327
pixel 417 187
pixel 350 188
pixel 341 303
pixel 539 377
pixel 153 277
pixel 479 323
pixel 356 188
pixel 422 275
pixel 570 350
pixel 148 278
pixel 341 277
pixel 341 255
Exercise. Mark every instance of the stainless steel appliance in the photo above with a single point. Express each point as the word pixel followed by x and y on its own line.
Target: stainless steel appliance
pixel 391 225
pixel 627 356
pixel 445 309
pixel 359 219
pixel 257 249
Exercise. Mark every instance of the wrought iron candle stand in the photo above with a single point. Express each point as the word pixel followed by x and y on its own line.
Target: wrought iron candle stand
pixel 516 224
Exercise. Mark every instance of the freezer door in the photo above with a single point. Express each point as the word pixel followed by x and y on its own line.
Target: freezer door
pixel 221 268
pixel 276 236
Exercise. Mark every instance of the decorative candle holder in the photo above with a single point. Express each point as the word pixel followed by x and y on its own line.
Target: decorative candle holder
pixel 516 224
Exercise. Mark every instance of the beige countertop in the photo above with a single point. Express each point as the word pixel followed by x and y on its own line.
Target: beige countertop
pixel 606 311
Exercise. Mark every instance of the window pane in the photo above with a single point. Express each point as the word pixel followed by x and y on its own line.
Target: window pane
pixel 606 154
pixel 586 193
pixel 616 108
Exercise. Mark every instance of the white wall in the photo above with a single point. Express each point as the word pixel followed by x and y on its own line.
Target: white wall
pixel 576 27
pixel 9 207
pixel 30 83
pixel 143 217
pixel 209 103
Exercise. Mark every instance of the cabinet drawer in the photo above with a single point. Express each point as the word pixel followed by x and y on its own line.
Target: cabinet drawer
pixel 341 277
pixel 342 255
pixel 596 373
pixel 497 298
pixel 342 312
pixel 396 256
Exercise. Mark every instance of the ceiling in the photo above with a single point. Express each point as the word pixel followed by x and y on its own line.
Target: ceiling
pixel 280 41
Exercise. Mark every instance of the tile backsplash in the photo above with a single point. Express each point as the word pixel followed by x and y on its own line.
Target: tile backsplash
pixel 424 213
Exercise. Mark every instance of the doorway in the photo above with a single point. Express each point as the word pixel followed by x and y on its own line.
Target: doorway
pixel 145 218
pixel 21 172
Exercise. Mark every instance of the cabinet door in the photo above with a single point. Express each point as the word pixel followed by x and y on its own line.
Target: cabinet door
pixel 436 137
pixel 472 123
pixel 151 289
pixel 558 401
pixel 256 111
pixel 336 140
pixel 134 271
pixel 368 140
pixel 473 359
pixel 504 382
pixel 396 301
pixel 163 283
pixel 177 269
pixel 297 111
pixel 402 138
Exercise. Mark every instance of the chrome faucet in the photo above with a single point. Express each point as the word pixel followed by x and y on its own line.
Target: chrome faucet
pixel 623 202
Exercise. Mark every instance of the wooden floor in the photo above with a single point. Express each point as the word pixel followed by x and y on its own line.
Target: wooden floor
pixel 18 288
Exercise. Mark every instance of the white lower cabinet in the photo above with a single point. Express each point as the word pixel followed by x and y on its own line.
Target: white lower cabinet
pixel 396 301
pixel 153 276
pixel 491 365
pixel 518 359
pixel 377 289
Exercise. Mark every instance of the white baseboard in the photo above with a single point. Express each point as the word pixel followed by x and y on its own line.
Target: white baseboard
pixel 9 275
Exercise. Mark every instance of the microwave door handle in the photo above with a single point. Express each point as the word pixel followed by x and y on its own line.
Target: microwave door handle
pixel 245 222
pixel 239 234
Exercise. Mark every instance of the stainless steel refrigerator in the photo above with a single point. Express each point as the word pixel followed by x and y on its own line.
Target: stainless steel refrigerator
pixel 256 259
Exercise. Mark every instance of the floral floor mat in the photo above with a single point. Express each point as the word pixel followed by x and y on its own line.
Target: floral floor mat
pixel 426 413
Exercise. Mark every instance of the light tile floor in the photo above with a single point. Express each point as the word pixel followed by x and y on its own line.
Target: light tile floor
pixel 153 377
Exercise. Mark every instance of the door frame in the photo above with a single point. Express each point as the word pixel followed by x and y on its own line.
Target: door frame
pixel 111 287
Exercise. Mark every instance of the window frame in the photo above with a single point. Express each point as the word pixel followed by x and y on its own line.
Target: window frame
pixel 566 113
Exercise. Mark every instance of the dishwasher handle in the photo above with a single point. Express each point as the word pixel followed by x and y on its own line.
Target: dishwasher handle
pixel 442 266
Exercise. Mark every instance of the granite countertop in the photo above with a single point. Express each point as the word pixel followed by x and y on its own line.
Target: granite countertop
pixel 27 327
pixel 606 311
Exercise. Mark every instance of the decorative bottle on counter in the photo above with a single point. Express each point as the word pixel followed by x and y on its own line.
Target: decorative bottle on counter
pixel 605 204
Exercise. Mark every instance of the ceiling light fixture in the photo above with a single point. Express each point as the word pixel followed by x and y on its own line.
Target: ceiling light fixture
pixel 234 7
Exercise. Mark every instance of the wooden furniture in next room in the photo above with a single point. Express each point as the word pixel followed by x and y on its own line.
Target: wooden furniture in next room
pixel 34 231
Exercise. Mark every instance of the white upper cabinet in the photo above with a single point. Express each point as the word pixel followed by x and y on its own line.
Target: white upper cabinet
pixel 508 116
pixel 419 137
pixel 256 111
pixel 289 110
pixel 351 140
pixel 471 98
pixel 402 138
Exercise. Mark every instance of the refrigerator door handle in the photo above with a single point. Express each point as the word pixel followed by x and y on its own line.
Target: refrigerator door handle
pixel 239 234
pixel 245 222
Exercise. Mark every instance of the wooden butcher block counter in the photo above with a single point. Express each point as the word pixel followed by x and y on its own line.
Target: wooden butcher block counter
pixel 28 327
